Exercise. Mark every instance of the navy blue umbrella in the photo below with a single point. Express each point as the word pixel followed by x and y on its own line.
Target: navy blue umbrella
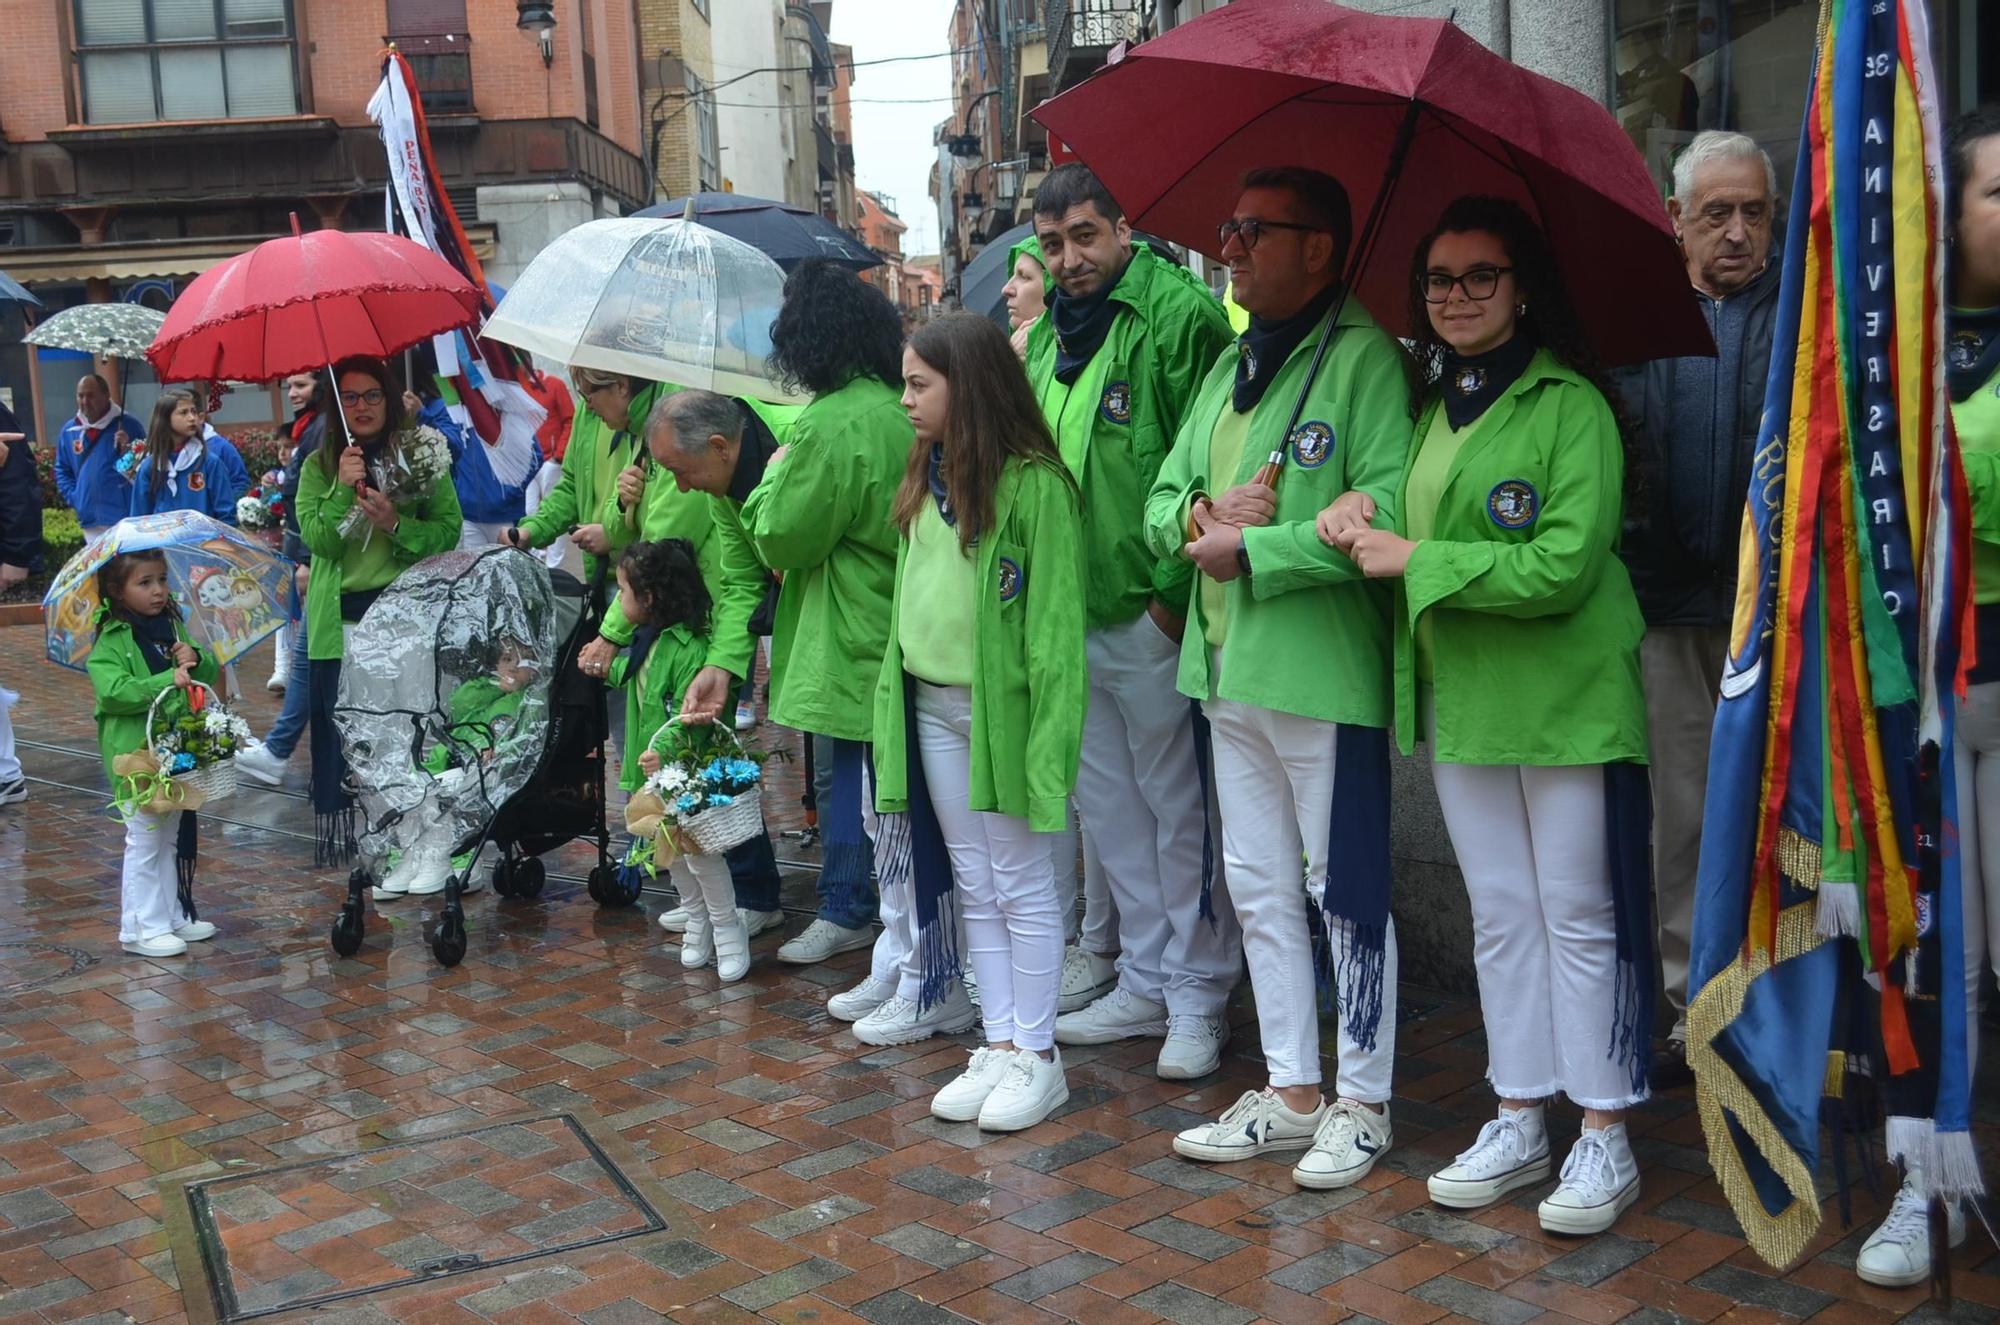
pixel 13 290
pixel 786 234
pixel 982 284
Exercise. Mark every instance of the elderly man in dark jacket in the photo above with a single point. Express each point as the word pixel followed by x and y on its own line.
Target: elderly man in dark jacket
pixel 1696 432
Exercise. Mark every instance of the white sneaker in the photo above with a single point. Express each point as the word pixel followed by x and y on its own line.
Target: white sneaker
pixel 697 943
pixel 746 717
pixel 675 920
pixel 823 939
pixel 1257 1122
pixel 1086 977
pixel 756 922
pixel 395 880
pixel 160 945
pixel 861 1000
pixel 1512 1151
pixel 1599 1179
pixel 732 948
pixel 431 873
pixel 279 679
pixel 1347 1144
pixel 258 761
pixel 1898 1254
pixel 194 931
pixel 1119 1015
pixel 1033 1088
pixel 897 1020
pixel 965 1094
pixel 1193 1048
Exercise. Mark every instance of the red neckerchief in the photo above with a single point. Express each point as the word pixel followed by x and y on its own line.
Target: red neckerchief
pixel 300 423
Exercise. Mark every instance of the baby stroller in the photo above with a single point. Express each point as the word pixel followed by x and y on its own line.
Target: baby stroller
pixel 466 720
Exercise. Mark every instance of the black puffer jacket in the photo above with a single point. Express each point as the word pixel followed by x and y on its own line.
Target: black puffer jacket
pixel 1681 534
pixel 20 502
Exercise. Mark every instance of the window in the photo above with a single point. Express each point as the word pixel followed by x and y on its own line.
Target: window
pixel 700 7
pixel 1681 66
pixel 147 60
pixel 707 144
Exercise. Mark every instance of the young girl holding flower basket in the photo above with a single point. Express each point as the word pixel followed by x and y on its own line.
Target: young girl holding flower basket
pixel 700 790
pixel 141 653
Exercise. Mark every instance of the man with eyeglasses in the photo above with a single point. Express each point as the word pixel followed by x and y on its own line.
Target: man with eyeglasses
pixel 1115 364
pixel 1288 652
pixel 1696 431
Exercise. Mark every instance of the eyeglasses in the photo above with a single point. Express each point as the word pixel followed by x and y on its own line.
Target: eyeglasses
pixel 1478 284
pixel 1250 229
pixel 373 396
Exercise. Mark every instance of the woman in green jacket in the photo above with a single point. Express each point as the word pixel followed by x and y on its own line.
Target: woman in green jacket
pixel 1517 654
pixel 374 499
pixel 979 714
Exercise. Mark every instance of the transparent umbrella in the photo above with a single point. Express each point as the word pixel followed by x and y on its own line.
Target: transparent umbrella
pixel 668 301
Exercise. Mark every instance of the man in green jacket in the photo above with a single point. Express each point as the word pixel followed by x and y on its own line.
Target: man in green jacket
pixel 1115 364
pixel 1287 649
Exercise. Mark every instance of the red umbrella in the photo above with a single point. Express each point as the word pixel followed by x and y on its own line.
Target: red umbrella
pixel 1172 127
pixel 296 305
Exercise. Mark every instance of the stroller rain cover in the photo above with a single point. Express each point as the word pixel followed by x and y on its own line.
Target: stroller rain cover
pixel 443 706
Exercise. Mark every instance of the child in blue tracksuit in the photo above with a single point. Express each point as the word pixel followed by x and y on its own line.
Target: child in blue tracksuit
pixel 181 472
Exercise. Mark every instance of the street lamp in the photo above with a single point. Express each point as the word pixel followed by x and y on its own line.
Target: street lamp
pixel 539 18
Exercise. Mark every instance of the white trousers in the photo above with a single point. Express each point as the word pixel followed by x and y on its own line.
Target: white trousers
pixel 10 762
pixel 1138 792
pixel 1005 877
pixel 1097 930
pixel 148 888
pixel 473 534
pixel 1531 843
pixel 1976 754
pixel 1274 778
pixel 705 887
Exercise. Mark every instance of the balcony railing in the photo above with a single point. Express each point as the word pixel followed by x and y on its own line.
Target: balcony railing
pixel 1079 32
pixel 442 64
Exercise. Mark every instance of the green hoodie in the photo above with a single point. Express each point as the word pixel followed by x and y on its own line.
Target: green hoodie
pixel 595 457
pixel 1534 627
pixel 482 715
pixel 126 687
pixel 820 518
pixel 1116 422
pixel 1028 687
pixel 654 695
pixel 1033 248
pixel 1308 634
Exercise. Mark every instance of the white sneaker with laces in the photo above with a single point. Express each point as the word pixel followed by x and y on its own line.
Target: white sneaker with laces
pixel 1599 1179
pixel 965 1094
pixel 1256 1123
pixel 898 1021
pixel 1033 1088
pixel 861 1000
pixel 1119 1015
pixel 194 931
pixel 697 943
pixel 1086 977
pixel 1898 1253
pixel 1193 1048
pixel 160 945
pixel 823 939
pixel 257 760
pixel 1345 1147
pixel 1511 1152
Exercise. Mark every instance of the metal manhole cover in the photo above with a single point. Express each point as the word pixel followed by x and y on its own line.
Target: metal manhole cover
pixel 318 1232
pixel 29 965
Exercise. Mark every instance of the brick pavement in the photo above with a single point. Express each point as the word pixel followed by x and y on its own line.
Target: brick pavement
pixel 343 1127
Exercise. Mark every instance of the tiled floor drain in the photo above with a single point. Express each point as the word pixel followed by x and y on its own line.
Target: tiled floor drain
pixel 348 1225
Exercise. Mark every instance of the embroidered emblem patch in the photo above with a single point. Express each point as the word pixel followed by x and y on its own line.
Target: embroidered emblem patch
pixel 1469 380
pixel 1963 351
pixel 1249 358
pixel 196 482
pixel 1117 403
pixel 1923 915
pixel 1513 503
pixel 77 445
pixel 1011 580
pixel 1312 443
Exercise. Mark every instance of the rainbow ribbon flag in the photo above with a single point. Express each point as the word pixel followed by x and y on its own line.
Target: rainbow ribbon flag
pixel 1826 938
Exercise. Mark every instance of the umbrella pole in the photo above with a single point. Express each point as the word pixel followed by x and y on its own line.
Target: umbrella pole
pixel 339 410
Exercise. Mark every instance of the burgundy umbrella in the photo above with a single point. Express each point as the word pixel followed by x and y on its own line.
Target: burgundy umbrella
pixel 1408 114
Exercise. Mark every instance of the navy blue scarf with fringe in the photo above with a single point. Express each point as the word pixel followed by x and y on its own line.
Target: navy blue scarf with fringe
pixel 1628 836
pixel 1355 905
pixel 929 869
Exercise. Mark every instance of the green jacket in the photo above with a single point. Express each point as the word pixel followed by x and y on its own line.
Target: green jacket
pixel 371 558
pixel 1029 686
pixel 820 518
pixel 1977 419
pixel 653 695
pixel 595 457
pixel 1534 627
pixel 482 715
pixel 126 686
pixel 1308 634
pixel 1116 422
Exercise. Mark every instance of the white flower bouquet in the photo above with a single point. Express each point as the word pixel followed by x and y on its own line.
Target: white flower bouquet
pixel 407 471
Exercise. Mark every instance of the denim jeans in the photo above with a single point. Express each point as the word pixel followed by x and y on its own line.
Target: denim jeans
pixel 846 874
pixel 291 723
pixel 754 867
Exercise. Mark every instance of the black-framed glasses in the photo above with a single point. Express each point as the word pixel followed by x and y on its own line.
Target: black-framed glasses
pixel 1250 229
pixel 1478 284
pixel 372 396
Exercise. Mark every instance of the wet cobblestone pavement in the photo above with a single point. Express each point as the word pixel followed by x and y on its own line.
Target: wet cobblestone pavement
pixel 568 1127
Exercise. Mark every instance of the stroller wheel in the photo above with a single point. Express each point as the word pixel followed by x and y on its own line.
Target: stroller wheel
pixel 448 944
pixel 529 876
pixel 599 893
pixel 347 930
pixel 503 878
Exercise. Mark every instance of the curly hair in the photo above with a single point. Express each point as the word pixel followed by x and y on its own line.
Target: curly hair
pixel 666 579
pixel 833 328
pixel 1962 140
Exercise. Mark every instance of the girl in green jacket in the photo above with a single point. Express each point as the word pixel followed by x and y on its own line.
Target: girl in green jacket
pixel 979 715
pixel 374 499
pixel 1517 649
pixel 140 651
